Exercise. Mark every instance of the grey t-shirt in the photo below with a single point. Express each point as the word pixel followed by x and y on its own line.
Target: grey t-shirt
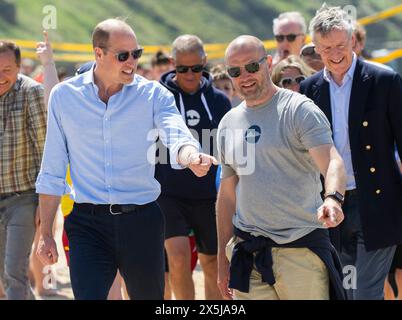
pixel 279 187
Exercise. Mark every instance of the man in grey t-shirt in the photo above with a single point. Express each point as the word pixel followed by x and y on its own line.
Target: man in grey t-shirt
pixel 273 148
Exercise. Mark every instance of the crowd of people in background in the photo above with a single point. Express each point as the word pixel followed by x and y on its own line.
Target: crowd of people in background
pixel 332 71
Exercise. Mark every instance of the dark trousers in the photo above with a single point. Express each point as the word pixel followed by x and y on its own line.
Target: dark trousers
pixel 102 243
pixel 371 267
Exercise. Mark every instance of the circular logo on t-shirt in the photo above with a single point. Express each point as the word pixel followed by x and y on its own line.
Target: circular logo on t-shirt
pixel 193 118
pixel 253 134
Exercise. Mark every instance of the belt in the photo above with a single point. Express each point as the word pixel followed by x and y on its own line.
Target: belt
pixel 114 209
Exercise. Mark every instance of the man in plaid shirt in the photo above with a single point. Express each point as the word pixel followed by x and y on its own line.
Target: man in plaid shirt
pixel 22 136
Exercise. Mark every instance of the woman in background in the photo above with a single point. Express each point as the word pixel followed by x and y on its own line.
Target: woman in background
pixel 290 72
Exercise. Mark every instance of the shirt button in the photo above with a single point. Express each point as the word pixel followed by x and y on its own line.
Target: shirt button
pixel 365 123
pixel 106 119
pixel 372 169
pixel 368 147
pixel 109 186
pixel 107 164
pixel 106 141
pixel 378 191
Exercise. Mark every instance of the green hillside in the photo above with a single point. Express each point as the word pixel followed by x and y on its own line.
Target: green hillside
pixel 160 21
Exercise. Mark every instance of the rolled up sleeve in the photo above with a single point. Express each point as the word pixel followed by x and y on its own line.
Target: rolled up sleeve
pixel 37 123
pixel 51 179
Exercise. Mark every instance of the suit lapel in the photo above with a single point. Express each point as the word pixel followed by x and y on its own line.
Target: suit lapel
pixel 360 90
pixel 322 98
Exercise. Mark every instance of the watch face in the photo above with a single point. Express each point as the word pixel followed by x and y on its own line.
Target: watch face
pixel 336 195
pixel 339 196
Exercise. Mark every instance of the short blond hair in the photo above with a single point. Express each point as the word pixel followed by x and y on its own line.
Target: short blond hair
pixel 218 72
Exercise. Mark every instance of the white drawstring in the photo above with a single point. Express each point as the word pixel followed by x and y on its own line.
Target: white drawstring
pixel 182 110
pixel 204 102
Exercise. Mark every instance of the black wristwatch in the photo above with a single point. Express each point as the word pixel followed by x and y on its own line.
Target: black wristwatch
pixel 336 196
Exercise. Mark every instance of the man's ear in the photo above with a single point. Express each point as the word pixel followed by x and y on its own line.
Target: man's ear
pixel 317 49
pixel 172 61
pixel 354 41
pixel 269 62
pixel 98 53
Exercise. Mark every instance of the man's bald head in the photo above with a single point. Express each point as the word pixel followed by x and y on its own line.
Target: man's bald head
pixel 248 65
pixel 244 43
pixel 103 30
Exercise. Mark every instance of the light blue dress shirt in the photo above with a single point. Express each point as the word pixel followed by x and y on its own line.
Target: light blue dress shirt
pixel 340 100
pixel 110 147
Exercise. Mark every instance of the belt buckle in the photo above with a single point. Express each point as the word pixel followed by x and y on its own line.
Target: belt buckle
pixel 111 210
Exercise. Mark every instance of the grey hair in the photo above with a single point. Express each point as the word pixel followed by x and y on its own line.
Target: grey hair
pixel 292 16
pixel 188 43
pixel 330 18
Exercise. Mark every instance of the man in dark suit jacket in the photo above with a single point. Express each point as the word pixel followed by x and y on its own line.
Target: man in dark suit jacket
pixel 364 106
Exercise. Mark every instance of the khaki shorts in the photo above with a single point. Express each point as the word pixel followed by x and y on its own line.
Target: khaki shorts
pixel 299 273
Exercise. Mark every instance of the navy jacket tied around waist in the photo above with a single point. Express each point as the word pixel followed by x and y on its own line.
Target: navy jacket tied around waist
pixel 257 250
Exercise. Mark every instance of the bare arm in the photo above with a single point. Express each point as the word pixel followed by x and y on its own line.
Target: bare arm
pixel 45 54
pixel 225 209
pixel 332 168
pixel 47 250
pixel 48 208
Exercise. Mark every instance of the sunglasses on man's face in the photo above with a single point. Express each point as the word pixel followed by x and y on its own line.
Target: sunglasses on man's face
pixel 123 56
pixel 195 69
pixel 252 67
pixel 289 37
pixel 288 81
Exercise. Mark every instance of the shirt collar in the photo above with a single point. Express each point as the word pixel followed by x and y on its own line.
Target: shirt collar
pixel 89 77
pixel 17 84
pixel 348 75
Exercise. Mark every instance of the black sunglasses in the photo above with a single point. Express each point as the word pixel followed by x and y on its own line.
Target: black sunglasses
pixel 195 69
pixel 252 67
pixel 124 55
pixel 289 37
pixel 286 82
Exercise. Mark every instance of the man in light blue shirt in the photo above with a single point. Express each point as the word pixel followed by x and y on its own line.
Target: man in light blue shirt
pixel 104 123
pixel 340 100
